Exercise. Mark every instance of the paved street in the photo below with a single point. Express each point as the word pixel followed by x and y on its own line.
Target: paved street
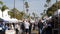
pixel 34 32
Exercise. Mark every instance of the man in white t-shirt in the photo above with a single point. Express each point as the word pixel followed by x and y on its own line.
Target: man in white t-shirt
pixel 27 26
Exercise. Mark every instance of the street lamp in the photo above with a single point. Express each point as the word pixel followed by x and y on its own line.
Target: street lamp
pixel 23 5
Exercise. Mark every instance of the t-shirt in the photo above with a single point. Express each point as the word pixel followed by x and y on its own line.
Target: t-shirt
pixel 26 25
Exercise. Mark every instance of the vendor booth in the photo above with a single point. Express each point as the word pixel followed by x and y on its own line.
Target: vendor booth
pixel 10 32
pixel 10 26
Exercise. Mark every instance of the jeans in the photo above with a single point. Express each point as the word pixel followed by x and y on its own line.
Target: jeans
pixel 40 31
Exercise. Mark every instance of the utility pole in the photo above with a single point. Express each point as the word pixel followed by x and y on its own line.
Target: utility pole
pixel 23 5
pixel 23 8
pixel 14 10
pixel 14 3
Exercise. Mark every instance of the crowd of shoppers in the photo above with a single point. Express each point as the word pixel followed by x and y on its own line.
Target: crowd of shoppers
pixel 44 26
pixel 26 26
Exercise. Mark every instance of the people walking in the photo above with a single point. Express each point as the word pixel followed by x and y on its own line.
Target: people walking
pixel 27 26
pixel 49 27
pixel 30 27
pixel 16 28
pixel 22 27
pixel 40 26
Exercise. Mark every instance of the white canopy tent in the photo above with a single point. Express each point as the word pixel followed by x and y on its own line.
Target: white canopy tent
pixel 9 20
pixel 13 20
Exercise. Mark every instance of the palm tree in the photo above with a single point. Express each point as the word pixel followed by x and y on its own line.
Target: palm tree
pixel 1 3
pixel 47 5
pixel 26 6
pixel 3 8
pixel 23 4
pixel 48 2
pixel 33 14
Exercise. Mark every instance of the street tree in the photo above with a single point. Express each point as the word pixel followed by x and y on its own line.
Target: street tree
pixel 14 13
pixel 53 8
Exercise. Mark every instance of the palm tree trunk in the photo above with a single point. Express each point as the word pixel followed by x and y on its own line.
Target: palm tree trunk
pixel 2 14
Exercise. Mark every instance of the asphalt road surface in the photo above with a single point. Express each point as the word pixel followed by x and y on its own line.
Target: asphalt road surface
pixel 34 32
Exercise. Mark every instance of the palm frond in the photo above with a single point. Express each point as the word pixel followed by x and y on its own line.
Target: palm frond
pixel 1 2
pixel 4 7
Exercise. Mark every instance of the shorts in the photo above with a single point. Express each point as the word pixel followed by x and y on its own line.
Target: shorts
pixel 27 30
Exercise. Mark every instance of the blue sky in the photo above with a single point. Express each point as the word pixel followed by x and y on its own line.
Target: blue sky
pixel 36 6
